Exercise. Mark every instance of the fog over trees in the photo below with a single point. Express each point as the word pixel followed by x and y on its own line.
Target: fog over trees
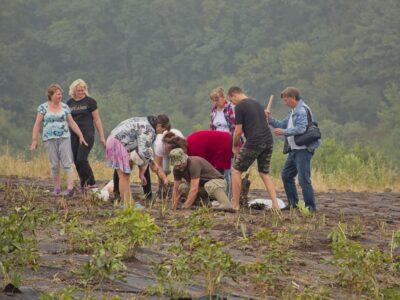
pixel 143 57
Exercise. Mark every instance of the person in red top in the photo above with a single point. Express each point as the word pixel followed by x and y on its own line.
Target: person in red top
pixel 213 146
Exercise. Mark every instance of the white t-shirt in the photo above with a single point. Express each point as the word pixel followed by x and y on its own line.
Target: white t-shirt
pixel 220 122
pixel 290 139
pixel 159 147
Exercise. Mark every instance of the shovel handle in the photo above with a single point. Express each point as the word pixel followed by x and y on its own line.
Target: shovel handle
pixel 268 109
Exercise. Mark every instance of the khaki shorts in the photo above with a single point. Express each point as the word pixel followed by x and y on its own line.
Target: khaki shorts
pixel 247 156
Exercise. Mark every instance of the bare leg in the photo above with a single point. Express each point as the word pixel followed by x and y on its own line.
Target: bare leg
pixel 236 188
pixel 70 180
pixel 124 187
pixel 270 187
pixel 57 182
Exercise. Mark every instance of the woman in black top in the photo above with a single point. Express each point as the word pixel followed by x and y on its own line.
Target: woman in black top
pixel 85 113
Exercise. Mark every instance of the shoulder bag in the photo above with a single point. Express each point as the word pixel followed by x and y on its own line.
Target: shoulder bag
pixel 311 134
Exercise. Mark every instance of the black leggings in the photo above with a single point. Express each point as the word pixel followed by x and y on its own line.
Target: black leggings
pixel 81 153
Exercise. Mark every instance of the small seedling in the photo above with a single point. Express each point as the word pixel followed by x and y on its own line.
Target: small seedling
pixel 357 229
pixel 104 264
pixel 382 226
pixel 8 191
pixel 276 217
pixel 304 210
pixel 29 193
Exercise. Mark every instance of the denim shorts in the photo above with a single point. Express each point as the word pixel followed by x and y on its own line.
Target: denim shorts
pixel 247 156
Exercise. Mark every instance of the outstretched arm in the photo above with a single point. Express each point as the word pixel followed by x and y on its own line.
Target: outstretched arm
pixel 175 194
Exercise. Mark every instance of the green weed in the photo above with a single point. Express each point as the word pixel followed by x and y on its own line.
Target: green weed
pixel 80 238
pixel 200 219
pixel 304 210
pixel 18 242
pixel 309 293
pixel 133 227
pixel 104 264
pixel 358 266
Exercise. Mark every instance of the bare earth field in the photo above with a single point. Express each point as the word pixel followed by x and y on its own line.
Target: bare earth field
pixel 371 219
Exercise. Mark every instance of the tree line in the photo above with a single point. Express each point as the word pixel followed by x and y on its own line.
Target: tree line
pixel 144 57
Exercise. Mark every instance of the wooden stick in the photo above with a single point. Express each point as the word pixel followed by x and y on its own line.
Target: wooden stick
pixel 268 109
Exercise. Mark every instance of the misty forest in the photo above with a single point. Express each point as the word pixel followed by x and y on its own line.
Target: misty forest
pixel 149 57
pixel 153 56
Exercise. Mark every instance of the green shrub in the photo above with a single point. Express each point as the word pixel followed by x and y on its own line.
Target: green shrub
pixel 133 227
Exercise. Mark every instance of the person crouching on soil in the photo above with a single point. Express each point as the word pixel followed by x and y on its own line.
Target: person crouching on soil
pixel 198 174
pixel 134 134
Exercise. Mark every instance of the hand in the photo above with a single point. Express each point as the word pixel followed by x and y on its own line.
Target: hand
pixel 82 141
pixel 33 145
pixel 235 150
pixel 165 181
pixel 267 115
pixel 186 205
pixel 103 141
pixel 174 206
pixel 143 180
pixel 278 131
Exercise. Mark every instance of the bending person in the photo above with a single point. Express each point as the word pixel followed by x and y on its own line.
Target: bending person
pixel 192 173
pixel 138 134
pixel 213 146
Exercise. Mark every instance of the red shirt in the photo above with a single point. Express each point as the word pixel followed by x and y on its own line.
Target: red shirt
pixel 213 146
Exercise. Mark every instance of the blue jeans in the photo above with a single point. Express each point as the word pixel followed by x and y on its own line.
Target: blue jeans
pixel 227 176
pixel 298 163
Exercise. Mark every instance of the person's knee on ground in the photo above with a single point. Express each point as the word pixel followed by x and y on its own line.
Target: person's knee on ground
pixel 216 190
pixel 183 189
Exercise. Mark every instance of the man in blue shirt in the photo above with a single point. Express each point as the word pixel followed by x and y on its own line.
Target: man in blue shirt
pixel 299 157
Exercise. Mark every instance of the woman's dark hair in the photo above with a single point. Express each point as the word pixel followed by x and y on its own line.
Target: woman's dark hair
pixel 175 141
pixel 163 120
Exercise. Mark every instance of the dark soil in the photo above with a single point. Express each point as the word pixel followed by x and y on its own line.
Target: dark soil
pixel 376 215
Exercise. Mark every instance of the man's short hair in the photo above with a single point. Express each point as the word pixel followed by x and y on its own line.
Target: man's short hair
pixel 235 90
pixel 291 92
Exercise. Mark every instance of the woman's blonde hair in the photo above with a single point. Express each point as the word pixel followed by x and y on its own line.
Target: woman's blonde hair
pixel 52 89
pixel 75 84
pixel 218 91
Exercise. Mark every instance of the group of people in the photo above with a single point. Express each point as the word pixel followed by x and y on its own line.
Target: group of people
pixel 63 146
pixel 208 164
